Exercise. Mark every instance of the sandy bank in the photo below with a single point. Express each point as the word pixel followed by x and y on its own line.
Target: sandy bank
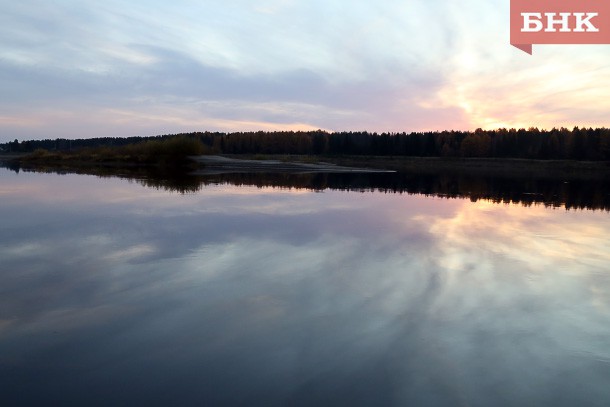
pixel 212 164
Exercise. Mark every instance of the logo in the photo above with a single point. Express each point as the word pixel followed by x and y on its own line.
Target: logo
pixel 559 22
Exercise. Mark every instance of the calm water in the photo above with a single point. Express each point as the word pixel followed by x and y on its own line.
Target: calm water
pixel 113 293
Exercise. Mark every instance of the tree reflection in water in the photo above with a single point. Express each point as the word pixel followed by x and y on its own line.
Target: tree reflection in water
pixel 577 192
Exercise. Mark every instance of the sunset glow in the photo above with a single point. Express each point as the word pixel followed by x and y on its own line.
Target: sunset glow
pixel 81 69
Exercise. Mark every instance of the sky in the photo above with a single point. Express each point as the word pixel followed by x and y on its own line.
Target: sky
pixel 79 69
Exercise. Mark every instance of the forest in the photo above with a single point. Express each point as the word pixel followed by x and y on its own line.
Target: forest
pixel 591 144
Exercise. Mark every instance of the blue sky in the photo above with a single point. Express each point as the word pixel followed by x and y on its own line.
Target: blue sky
pixel 122 68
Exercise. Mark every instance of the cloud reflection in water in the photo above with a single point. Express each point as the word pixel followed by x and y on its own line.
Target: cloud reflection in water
pixel 111 293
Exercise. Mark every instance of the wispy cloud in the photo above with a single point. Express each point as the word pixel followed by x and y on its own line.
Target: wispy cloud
pixel 414 65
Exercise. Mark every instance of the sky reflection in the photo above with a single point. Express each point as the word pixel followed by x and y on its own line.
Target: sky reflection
pixel 112 293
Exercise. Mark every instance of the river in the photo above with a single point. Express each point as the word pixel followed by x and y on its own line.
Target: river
pixel 287 291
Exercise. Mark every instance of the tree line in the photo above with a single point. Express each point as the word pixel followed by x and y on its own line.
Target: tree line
pixel 533 143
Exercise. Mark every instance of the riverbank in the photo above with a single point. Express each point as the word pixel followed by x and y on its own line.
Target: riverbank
pixel 208 164
pixel 10 157
pixel 480 166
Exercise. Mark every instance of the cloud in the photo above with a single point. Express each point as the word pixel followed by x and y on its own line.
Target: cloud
pixel 81 68
pixel 175 89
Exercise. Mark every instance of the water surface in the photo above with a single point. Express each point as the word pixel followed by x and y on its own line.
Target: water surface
pixel 113 293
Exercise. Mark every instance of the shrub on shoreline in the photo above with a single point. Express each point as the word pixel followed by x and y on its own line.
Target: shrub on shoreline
pixel 169 151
